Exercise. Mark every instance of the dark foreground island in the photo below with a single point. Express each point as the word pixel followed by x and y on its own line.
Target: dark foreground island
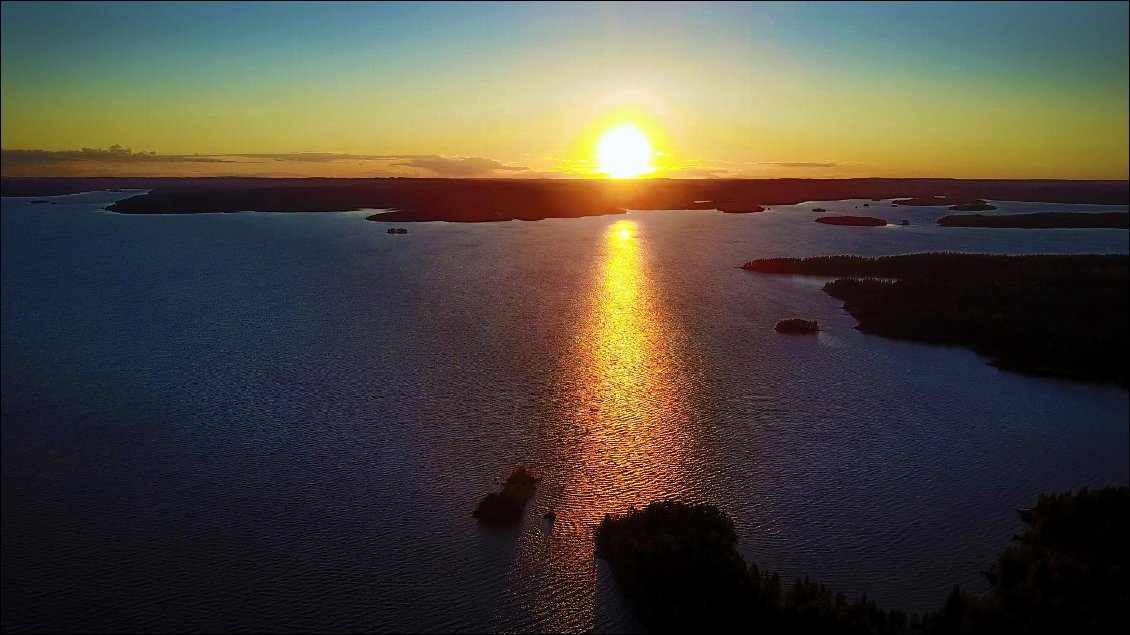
pixel 679 568
pixel 507 505
pixel 1061 316
pixel 1043 220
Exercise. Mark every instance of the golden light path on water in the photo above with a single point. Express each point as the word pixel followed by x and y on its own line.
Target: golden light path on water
pixel 630 440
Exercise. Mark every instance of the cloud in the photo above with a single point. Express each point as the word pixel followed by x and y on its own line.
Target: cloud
pixel 695 173
pixel 798 164
pixel 113 154
pixel 121 161
pixel 326 157
pixel 440 165
pixel 465 166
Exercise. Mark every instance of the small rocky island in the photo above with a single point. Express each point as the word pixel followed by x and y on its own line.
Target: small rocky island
pixel 396 230
pixel 505 506
pixel 852 221
pixel 731 205
pixel 819 210
pixel 798 326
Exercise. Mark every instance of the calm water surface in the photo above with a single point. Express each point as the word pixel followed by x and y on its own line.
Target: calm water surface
pixel 273 422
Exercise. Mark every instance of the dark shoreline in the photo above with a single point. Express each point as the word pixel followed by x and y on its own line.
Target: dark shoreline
pixel 1042 220
pixel 679 568
pixel 480 200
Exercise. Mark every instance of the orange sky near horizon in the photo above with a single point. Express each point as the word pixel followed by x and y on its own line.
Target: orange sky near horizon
pixel 736 90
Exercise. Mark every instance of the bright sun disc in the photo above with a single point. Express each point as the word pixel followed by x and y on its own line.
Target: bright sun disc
pixel 624 152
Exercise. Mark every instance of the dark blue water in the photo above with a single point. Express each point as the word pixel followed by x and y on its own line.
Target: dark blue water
pixel 273 422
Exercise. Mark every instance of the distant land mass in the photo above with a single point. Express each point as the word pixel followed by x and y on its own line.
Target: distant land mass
pixel 1060 316
pixel 479 200
pixel 1042 220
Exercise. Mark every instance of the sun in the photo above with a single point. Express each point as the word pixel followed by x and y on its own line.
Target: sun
pixel 624 152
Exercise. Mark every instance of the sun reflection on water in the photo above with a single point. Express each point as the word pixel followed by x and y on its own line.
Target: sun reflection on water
pixel 629 440
pixel 629 385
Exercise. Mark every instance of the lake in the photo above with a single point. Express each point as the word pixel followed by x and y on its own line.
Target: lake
pixel 279 422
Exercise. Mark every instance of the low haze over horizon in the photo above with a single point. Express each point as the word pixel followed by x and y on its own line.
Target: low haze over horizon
pixel 547 90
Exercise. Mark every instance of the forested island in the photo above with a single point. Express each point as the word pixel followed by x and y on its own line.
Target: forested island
pixel 1061 316
pixel 957 205
pixel 679 568
pixel 852 221
pixel 1042 220
pixel 478 200
pixel 798 326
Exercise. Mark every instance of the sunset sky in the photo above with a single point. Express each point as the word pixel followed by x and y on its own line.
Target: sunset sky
pixel 1026 90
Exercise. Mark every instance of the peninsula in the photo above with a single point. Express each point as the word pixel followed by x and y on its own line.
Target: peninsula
pixel 1061 316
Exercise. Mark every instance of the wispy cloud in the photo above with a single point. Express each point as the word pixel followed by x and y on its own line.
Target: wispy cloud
pixel 327 157
pixel 798 164
pixel 695 173
pixel 465 166
pixel 435 164
pixel 113 154
pixel 123 161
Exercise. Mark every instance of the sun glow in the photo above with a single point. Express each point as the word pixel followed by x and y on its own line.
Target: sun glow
pixel 624 152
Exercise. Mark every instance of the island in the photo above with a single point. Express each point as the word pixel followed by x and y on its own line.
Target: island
pixel 819 210
pixel 396 230
pixel 679 568
pixel 972 206
pixel 955 204
pixel 798 326
pixel 1059 316
pixel 741 209
pixel 506 505
pixel 487 199
pixel 1042 220
pixel 852 221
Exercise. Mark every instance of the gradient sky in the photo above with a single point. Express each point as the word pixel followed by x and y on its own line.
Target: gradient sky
pixel 969 90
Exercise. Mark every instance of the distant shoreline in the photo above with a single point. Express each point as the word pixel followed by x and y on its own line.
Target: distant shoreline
pixel 484 200
pixel 1042 220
